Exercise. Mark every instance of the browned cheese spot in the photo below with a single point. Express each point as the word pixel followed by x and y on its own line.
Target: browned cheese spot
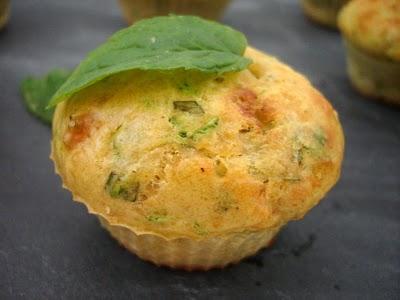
pixel 79 129
pixel 251 107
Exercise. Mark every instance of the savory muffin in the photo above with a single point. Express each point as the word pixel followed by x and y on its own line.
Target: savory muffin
pixel 323 11
pixel 197 171
pixel 4 12
pixel 134 10
pixel 371 30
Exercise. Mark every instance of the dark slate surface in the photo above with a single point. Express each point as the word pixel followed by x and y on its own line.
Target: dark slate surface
pixel 50 248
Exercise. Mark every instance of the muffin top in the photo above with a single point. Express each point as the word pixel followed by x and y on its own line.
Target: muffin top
pixel 188 154
pixel 373 25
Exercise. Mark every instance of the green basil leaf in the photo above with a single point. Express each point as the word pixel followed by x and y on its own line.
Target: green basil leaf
pixel 37 93
pixel 161 43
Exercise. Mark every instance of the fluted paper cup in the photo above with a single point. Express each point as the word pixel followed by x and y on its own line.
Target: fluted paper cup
pixel 189 254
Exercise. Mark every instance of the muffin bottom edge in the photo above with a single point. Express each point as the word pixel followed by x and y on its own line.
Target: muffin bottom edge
pixel 192 255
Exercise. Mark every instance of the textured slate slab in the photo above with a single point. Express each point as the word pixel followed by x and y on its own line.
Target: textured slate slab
pixel 348 247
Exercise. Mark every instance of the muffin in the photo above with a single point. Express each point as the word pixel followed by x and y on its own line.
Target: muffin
pixel 371 32
pixel 196 170
pixel 268 148
pixel 323 11
pixel 134 10
pixel 4 12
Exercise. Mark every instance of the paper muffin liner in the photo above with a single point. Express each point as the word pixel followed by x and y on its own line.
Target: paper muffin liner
pixel 373 76
pixel 324 12
pixel 134 10
pixel 190 254
pixel 4 12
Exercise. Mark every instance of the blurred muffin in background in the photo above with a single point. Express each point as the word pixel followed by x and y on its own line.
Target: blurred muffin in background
pixel 371 31
pixel 323 11
pixel 134 10
pixel 4 12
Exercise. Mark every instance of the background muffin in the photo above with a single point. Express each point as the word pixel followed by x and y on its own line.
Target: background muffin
pixel 134 10
pixel 196 171
pixel 4 12
pixel 323 11
pixel 371 30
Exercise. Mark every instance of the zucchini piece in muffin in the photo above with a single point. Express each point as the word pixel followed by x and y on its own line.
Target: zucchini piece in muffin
pixel 194 169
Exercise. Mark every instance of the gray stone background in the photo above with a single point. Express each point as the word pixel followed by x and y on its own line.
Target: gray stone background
pixel 50 248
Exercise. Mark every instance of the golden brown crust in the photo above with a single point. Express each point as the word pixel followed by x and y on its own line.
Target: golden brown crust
pixel 274 149
pixel 373 25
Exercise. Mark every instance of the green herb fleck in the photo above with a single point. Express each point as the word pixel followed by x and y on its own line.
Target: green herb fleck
pixel 197 133
pixel 225 203
pixel 314 146
pixel 212 124
pixel 37 93
pixel 292 179
pixel 183 134
pixel 173 120
pixel 320 137
pixel 161 43
pixel 220 168
pixel 113 186
pixel 115 145
pixel 157 218
pixel 299 154
pixel 188 106
pixel 200 230
pixel 186 87
pixel 257 173
pixel 124 188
